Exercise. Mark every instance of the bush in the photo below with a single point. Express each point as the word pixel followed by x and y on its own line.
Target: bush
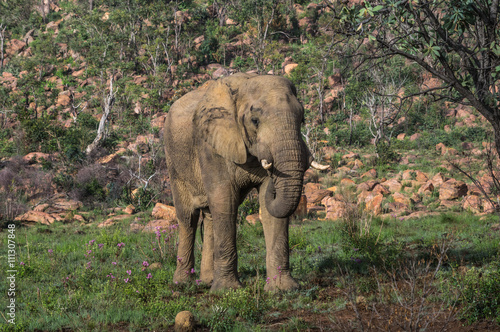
pixel 480 295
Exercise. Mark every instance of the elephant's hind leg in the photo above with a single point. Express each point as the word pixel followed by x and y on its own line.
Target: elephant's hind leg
pixel 185 251
pixel 207 256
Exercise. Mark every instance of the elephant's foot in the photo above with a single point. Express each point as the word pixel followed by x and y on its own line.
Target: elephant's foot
pixel 283 283
pixel 207 276
pixel 183 276
pixel 224 283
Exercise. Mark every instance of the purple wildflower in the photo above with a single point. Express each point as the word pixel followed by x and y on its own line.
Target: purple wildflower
pixel 126 280
pixel 145 264
pixel 50 251
pixel 114 263
pixel 121 244
pixel 129 272
pixel 22 263
pixel 100 245
pixel 149 276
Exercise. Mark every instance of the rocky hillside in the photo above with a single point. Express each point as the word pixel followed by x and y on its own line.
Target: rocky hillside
pixel 69 68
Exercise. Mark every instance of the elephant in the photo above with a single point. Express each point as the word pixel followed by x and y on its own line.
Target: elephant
pixel 222 140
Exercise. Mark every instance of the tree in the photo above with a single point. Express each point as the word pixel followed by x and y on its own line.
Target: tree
pixel 456 41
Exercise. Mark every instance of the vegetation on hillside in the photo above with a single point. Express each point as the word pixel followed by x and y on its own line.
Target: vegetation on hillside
pixel 401 100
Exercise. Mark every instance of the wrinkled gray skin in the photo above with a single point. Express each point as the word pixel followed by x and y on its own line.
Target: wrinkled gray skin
pixel 215 139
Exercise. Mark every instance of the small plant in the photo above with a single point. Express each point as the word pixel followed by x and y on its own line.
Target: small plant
pixel 220 320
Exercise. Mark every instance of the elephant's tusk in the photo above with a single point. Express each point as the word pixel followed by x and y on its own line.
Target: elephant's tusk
pixel 265 164
pixel 320 167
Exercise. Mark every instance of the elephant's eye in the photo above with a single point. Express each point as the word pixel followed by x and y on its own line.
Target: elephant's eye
pixel 255 122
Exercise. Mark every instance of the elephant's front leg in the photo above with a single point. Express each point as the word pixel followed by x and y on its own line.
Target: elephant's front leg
pixel 207 256
pixel 224 207
pixel 277 250
pixel 185 251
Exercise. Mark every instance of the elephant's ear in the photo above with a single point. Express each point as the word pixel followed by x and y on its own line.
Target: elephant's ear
pixel 215 120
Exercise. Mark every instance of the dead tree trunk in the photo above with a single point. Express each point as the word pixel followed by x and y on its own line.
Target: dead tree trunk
pixel 108 104
pixel 2 42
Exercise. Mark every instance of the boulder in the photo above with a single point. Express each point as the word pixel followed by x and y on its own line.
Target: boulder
pixel 374 203
pixel 184 322
pixel 416 175
pixel 393 185
pixel 220 72
pixel 130 209
pixel 66 205
pixel 113 220
pixel 368 185
pixel 335 209
pixel 397 207
pixel 301 209
pixel 379 189
pixel 290 67
pixel 162 211
pixel 161 224
pixel 351 155
pixel 414 137
pixel 36 156
pixel 38 217
pixel 427 188
pixel 371 174
pixel 253 219
pixel 472 203
pixel 347 182
pixel 452 189
pixel 438 179
pixel 400 198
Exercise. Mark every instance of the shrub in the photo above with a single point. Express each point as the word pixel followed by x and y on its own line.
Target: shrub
pixel 480 295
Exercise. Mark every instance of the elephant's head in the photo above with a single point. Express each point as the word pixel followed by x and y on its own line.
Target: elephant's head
pixel 244 117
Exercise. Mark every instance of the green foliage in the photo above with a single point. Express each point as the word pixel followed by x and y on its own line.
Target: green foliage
pixel 249 206
pixel 386 154
pixel 480 294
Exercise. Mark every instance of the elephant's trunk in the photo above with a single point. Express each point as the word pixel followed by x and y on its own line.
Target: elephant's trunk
pixel 284 191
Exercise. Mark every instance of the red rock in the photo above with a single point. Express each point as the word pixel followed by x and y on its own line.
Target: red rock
pixel 400 198
pixel 393 185
pixel 370 174
pixel 415 175
pixel 449 204
pixel 414 137
pixel 488 207
pixel 38 217
pixel 253 219
pixel 397 207
pixel 301 209
pixel 315 197
pixel 160 224
pixel 438 179
pixel 36 156
pixel 351 155
pixel 374 203
pixel 472 203
pixel 379 189
pixel 290 67
pixel 367 186
pixel 130 209
pixel 113 220
pixel 66 205
pixel 427 188
pixel 452 189
pixel 347 182
pixel 335 209
pixel 166 212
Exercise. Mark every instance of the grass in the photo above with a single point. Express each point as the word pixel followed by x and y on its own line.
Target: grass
pixel 81 277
